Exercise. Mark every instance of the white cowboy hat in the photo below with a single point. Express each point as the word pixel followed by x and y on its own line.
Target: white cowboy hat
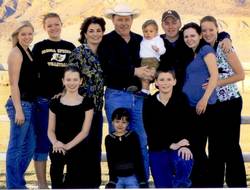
pixel 121 10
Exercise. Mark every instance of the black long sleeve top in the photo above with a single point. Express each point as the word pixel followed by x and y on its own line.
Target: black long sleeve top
pixel 166 124
pixel 119 59
pixel 124 156
pixel 177 56
pixel 51 58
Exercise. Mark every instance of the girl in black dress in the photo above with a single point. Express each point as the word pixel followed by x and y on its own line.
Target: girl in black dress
pixel 70 118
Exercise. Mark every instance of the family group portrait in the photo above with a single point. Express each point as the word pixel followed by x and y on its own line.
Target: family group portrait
pixel 124 94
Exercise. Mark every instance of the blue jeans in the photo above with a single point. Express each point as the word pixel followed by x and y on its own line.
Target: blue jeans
pixel 41 129
pixel 170 170
pixel 21 145
pixel 129 182
pixel 115 99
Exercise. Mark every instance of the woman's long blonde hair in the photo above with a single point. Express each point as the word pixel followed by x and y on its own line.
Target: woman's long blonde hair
pixel 21 25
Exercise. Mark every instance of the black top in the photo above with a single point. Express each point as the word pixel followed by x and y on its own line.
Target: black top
pixel 69 119
pixel 168 124
pixel 177 56
pixel 119 60
pixel 28 77
pixel 124 156
pixel 52 58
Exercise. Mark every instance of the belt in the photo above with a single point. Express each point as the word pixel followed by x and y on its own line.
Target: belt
pixel 131 88
pixel 26 97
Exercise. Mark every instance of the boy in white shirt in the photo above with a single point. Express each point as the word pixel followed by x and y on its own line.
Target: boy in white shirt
pixel 151 48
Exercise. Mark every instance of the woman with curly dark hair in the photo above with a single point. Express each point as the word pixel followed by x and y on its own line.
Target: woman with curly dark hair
pixel 86 58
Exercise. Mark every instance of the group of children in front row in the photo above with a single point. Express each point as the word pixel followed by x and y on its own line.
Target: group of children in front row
pixel 171 168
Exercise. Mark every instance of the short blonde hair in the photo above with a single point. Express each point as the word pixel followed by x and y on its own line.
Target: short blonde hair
pixel 50 15
pixel 150 22
pixel 151 62
pixel 21 25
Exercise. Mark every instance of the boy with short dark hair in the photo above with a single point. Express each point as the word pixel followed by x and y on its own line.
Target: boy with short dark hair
pixel 166 121
pixel 125 163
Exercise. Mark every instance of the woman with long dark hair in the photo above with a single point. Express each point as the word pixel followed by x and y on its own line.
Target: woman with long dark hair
pixel 202 69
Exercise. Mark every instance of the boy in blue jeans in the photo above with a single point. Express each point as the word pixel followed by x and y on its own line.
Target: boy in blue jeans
pixel 125 163
pixel 166 121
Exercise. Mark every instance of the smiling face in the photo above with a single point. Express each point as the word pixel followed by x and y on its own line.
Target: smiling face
pixel 71 81
pixel 209 32
pixel 53 26
pixel 25 36
pixel 149 32
pixel 122 24
pixel 165 82
pixel 191 38
pixel 120 125
pixel 94 34
pixel 171 27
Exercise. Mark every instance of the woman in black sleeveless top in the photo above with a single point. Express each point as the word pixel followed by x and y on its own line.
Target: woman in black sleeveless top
pixel 20 107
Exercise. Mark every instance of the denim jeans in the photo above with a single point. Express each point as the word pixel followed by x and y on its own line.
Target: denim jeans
pixel 115 99
pixel 41 128
pixel 129 182
pixel 169 170
pixel 21 145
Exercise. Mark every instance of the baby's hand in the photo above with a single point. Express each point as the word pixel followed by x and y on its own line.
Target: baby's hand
pixel 155 48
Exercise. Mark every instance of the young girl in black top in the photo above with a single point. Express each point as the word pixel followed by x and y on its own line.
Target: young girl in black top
pixel 70 119
pixel 125 163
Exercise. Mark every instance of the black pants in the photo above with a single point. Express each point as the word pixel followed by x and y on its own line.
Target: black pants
pixel 200 129
pixel 225 156
pixel 80 164
pixel 95 141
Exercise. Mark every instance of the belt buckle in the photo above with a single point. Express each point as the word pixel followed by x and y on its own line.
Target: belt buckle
pixel 132 89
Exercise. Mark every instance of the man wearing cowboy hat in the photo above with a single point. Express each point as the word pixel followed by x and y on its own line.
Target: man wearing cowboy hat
pixel 119 55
